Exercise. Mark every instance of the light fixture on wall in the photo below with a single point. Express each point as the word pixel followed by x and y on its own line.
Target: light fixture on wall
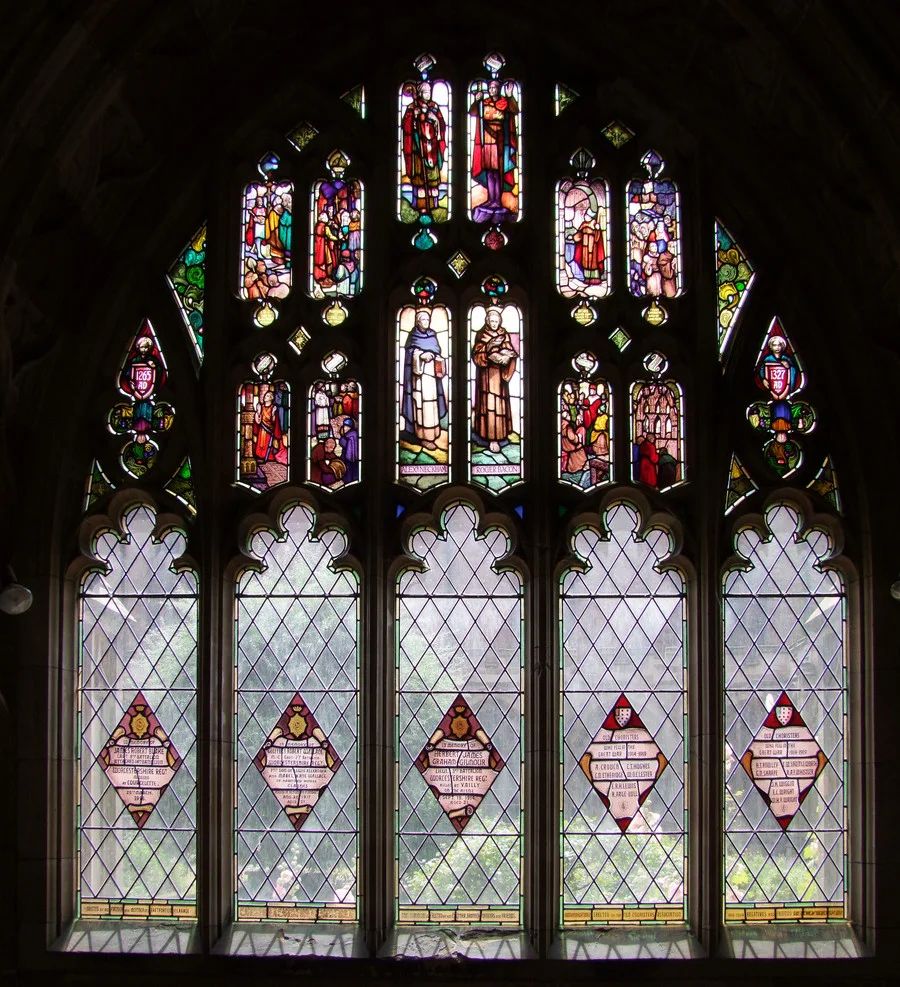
pixel 14 597
pixel 895 588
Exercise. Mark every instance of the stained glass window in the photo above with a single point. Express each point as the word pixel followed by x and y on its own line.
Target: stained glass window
pixel 336 232
pixel 496 390
pixel 785 724
pixel 782 418
pixel 137 675
pixel 187 280
pixel 297 725
pixel 585 426
pixel 583 258
pixel 424 389
pixel 334 427
pixel 142 375
pixel 734 278
pixel 624 727
pixel 263 427
pixel 495 153
pixel 654 235
pixel 425 156
pixel 459 743
pixel 657 427
pixel 266 239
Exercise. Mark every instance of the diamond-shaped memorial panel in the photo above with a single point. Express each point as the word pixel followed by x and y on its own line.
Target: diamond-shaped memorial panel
pixel 623 763
pixel 296 799
pixel 785 722
pixel 784 760
pixel 297 761
pixel 623 718
pixel 459 763
pixel 139 760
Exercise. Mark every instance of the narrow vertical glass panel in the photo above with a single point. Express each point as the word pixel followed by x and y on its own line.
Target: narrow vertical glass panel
pixel 782 418
pixel 495 159
pixel 564 97
pixel 266 238
pixel 98 485
pixel 734 278
pixel 654 233
pixel 583 259
pixel 424 392
pixel 187 280
pixel 624 727
pixel 181 485
pixel 496 388
pixel 137 719
pixel 825 484
pixel 740 484
pixel 424 161
pixel 336 232
pixel 355 98
pixel 585 427
pixel 263 427
pixel 785 724
pixel 334 433
pixel 657 428
pixel 459 744
pixel 297 721
pixel 142 375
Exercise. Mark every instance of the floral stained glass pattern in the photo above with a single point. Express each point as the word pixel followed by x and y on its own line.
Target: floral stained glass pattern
pixel 98 485
pixel 187 280
pixel 582 232
pixel 136 839
pixel 734 278
pixel 336 232
pixel 495 133
pixel 424 390
pixel 740 484
pixel 459 673
pixel 297 721
pixel 785 724
pixel 496 392
pixel 624 727
pixel 141 377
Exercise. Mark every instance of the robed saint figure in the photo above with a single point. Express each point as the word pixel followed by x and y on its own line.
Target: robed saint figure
pixel 495 360
pixel 424 402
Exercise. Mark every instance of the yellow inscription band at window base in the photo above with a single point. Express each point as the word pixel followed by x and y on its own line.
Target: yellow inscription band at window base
pixel 296 913
pixel 623 916
pixel 140 908
pixel 786 913
pixel 461 916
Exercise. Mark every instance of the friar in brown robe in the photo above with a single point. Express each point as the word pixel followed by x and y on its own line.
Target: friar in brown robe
pixel 495 360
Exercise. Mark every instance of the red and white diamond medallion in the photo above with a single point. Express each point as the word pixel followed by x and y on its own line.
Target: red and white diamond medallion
pixel 297 761
pixel 459 763
pixel 784 760
pixel 623 762
pixel 139 760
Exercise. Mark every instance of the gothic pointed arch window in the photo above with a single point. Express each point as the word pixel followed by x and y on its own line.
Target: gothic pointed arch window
pixel 432 576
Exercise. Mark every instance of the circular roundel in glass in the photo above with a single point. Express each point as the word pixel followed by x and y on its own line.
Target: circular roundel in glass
pixel 656 363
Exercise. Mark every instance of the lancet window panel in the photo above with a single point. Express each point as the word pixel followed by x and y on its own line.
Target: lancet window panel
pixel 459 742
pixel 623 664
pixel 296 702
pixel 136 723
pixel 784 615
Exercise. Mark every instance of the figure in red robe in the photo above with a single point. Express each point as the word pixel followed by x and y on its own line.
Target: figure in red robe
pixel 495 152
pixel 424 148
pixel 267 434
pixel 648 457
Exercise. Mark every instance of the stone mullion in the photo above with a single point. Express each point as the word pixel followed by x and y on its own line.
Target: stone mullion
pixel 215 542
